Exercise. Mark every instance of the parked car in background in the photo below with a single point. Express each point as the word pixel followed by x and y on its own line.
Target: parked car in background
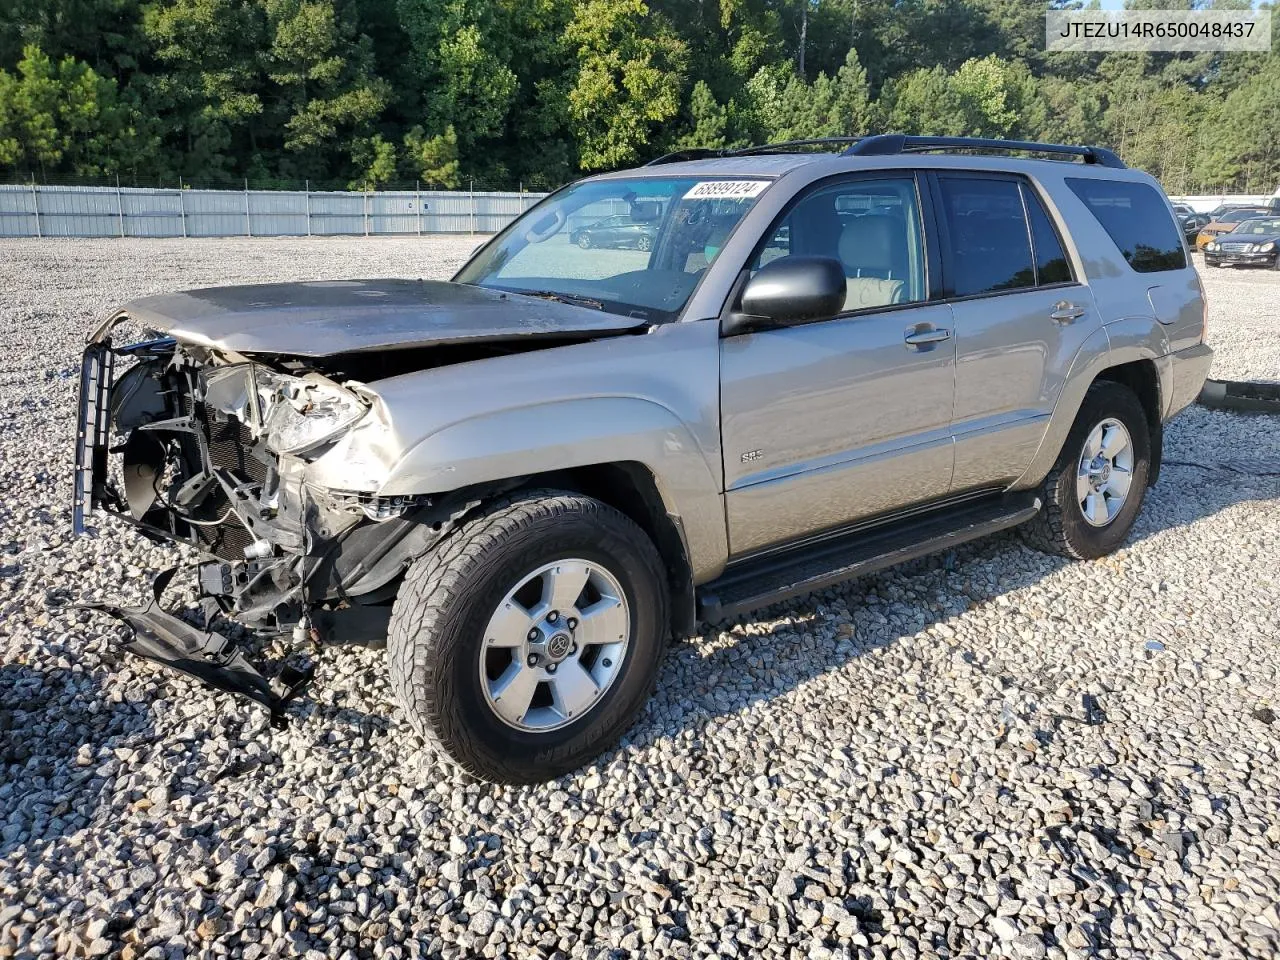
pixel 1190 221
pixel 526 480
pixel 1253 243
pixel 1226 221
pixel 619 233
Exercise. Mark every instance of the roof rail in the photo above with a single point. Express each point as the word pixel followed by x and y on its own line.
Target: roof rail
pixel 696 153
pixel 783 146
pixel 890 143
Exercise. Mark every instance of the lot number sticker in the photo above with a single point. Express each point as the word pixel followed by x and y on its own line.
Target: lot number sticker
pixel 726 189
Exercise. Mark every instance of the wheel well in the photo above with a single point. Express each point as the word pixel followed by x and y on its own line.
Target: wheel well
pixel 1143 379
pixel 630 488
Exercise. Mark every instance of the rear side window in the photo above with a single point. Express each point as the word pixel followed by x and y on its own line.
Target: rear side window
pixel 1136 218
pixel 990 246
pixel 1051 259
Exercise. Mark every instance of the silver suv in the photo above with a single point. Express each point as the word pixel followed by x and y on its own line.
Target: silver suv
pixel 829 357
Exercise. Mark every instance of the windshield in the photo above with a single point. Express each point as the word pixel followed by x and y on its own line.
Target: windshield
pixel 636 246
pixel 1258 228
pixel 1235 216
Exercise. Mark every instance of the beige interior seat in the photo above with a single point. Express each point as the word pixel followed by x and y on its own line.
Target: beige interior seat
pixel 868 248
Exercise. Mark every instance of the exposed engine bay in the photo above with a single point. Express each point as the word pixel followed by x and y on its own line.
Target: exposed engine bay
pixel 212 452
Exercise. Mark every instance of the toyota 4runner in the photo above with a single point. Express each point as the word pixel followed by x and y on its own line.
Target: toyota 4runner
pixel 831 357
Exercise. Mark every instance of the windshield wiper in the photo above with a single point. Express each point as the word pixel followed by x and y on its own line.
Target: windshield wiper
pixel 562 298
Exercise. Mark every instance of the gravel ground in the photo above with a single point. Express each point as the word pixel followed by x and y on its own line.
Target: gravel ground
pixel 992 754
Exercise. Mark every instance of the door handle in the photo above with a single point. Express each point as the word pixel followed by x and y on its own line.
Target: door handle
pixel 1064 311
pixel 916 337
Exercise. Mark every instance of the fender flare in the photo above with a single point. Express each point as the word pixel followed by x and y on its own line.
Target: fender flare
pixel 1137 338
pixel 564 434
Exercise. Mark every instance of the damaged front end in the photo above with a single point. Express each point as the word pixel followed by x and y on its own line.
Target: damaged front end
pixel 211 449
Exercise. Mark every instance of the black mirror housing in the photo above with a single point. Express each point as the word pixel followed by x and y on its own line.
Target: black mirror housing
pixel 790 290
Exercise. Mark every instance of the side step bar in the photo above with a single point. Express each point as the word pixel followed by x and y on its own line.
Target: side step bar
pixel 799 570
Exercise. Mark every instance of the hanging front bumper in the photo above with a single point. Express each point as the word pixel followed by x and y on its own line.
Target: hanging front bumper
pixel 207 655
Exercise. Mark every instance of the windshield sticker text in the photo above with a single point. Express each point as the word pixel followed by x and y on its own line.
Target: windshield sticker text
pixel 726 189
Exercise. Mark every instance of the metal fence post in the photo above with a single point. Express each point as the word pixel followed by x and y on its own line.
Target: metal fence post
pixel 308 190
pixel 417 203
pixel 471 196
pixel 35 204
pixel 248 224
pixel 182 207
pixel 119 206
pixel 366 212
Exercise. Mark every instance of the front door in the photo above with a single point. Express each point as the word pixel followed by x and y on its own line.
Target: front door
pixel 836 421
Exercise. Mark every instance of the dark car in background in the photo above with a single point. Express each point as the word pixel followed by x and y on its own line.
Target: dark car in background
pixel 1190 221
pixel 1253 243
pixel 619 232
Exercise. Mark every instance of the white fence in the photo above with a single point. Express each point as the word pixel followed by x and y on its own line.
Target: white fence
pixel 38 211
pixel 1203 203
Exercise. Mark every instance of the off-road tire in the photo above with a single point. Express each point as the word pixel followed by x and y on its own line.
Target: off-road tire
pixel 447 597
pixel 1060 527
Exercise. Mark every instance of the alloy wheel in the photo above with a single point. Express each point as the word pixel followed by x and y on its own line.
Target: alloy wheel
pixel 554 645
pixel 1105 472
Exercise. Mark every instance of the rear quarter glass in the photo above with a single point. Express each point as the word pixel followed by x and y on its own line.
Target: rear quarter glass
pixel 1137 219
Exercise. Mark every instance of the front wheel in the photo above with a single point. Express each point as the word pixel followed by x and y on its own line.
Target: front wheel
pixel 584 241
pixel 644 243
pixel 1095 490
pixel 526 643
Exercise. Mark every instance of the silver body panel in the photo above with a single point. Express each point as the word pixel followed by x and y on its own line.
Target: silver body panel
pixel 752 440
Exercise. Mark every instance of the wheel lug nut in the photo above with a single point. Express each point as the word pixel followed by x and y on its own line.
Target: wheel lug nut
pixel 553 616
pixel 573 649
pixel 533 660
pixel 551 668
pixel 573 624
pixel 533 634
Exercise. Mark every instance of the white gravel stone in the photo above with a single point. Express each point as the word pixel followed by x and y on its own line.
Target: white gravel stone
pixel 976 755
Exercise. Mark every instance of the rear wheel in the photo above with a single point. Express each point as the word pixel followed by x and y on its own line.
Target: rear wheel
pixel 528 641
pixel 1095 490
pixel 584 241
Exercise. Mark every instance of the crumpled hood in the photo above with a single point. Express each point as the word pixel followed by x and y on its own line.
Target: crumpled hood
pixel 325 318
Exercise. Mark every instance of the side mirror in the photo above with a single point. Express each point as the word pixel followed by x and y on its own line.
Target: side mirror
pixel 790 290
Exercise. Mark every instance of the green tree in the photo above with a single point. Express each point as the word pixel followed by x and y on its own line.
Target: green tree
pixel 63 117
pixel 983 98
pixel 631 68
pixel 433 160
pixel 323 90
pixel 375 159
pixel 710 121
pixel 208 87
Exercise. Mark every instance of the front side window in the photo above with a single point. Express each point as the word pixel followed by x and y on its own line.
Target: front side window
pixel 990 244
pixel 871 226
pixel 635 246
pixel 1137 220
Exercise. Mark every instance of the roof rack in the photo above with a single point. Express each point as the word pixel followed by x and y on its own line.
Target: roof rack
pixel 891 143
pixel 782 146
pixel 697 153
pixel 886 144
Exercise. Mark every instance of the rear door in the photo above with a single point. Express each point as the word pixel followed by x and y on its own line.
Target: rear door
pixel 1020 317
pixel 831 422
